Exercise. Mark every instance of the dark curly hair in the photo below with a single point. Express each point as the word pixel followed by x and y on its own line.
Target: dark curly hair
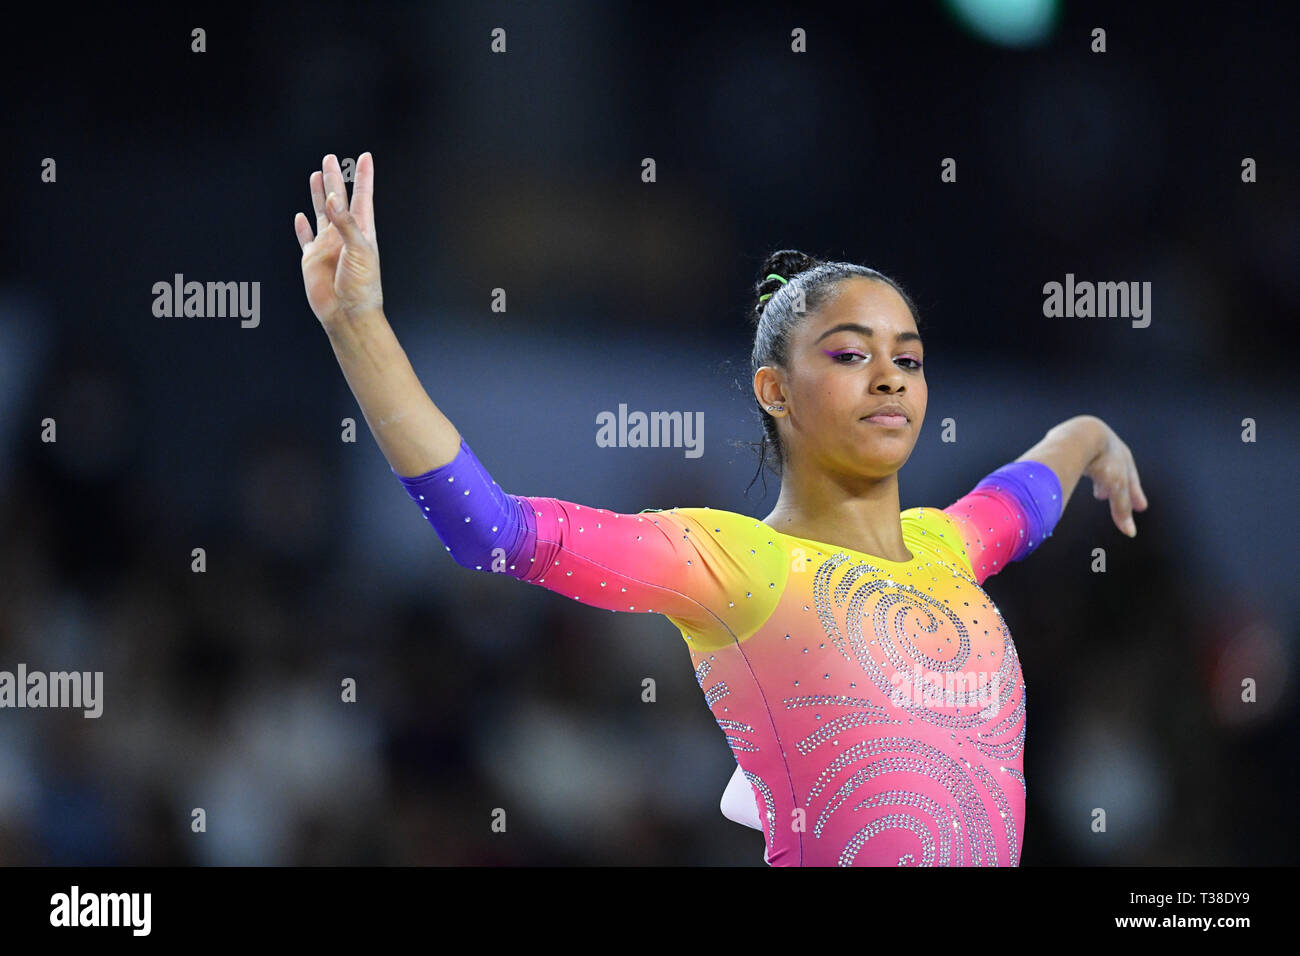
pixel 775 319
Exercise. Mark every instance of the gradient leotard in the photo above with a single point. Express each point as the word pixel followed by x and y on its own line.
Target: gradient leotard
pixel 875 707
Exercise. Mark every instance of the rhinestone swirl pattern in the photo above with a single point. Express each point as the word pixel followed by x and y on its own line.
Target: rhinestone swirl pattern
pixel 883 709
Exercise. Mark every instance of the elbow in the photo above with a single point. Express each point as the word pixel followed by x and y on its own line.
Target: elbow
pixel 482 537
pixel 480 557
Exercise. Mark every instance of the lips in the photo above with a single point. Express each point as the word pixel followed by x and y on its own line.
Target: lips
pixel 891 416
pixel 890 421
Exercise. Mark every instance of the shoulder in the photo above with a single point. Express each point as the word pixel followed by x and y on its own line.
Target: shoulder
pixel 745 543
pixel 738 570
pixel 713 520
pixel 935 530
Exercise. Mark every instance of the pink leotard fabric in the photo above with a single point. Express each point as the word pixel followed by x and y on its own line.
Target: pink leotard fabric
pixel 876 707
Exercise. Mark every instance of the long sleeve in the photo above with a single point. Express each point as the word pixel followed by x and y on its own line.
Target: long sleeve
pixel 697 566
pixel 1008 514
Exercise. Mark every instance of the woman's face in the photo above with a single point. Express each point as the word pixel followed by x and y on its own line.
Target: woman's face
pixel 858 353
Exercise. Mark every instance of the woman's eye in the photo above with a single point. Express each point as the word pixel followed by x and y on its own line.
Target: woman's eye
pixel 848 357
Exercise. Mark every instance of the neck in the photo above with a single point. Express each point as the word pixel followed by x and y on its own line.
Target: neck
pixel 849 511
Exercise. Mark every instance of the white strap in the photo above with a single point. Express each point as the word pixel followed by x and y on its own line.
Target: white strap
pixel 738 803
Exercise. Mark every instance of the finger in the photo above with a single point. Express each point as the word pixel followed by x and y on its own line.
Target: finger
pixel 1122 511
pixel 1139 496
pixel 302 229
pixel 363 194
pixel 333 174
pixel 343 220
pixel 316 182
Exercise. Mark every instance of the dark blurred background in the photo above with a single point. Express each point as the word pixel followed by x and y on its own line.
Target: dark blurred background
pixel 522 171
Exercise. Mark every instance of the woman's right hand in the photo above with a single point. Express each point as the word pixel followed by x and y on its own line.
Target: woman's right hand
pixel 340 263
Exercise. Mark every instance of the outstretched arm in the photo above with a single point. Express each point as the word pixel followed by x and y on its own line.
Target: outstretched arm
pixel 1085 445
pixel 689 564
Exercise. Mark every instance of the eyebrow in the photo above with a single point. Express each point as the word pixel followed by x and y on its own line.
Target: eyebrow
pixel 866 330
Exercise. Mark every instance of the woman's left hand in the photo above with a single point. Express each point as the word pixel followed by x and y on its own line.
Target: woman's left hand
pixel 1115 478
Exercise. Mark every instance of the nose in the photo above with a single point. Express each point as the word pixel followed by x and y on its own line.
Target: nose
pixel 889 379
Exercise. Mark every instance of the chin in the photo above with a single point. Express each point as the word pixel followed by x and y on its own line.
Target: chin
pixel 879 465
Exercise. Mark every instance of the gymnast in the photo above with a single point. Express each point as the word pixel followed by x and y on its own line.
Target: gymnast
pixel 868 687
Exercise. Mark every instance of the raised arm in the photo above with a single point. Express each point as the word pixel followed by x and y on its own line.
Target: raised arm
pixel 698 567
pixel 1012 510
pixel 340 269
pixel 1086 445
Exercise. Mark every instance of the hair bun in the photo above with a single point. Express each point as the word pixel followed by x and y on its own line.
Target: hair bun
pixel 786 263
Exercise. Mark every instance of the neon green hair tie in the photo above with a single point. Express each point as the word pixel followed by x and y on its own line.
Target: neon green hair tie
pixel 772 275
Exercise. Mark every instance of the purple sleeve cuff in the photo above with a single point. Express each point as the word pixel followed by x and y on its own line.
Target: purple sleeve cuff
pixel 481 526
pixel 1038 491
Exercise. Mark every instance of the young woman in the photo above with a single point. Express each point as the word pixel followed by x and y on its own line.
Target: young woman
pixel 867 686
